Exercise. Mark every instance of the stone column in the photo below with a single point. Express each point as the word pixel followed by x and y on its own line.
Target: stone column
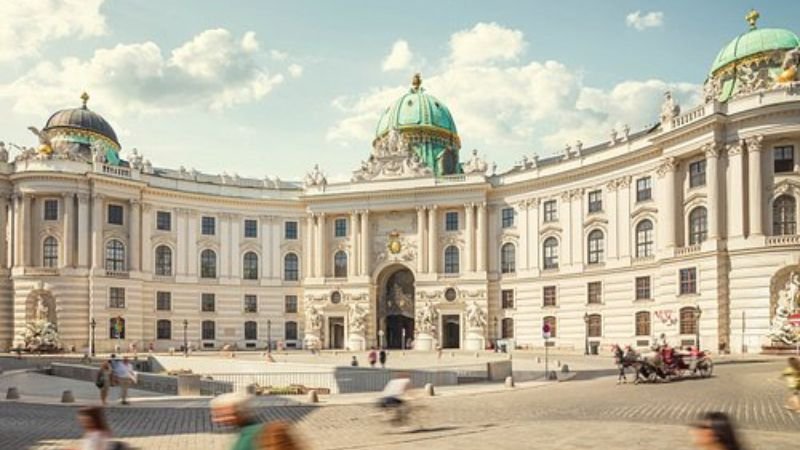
pixel 68 222
pixel 433 245
pixel 183 249
pixel 235 224
pixel 755 185
pixel 352 260
pixel 623 213
pixel 27 237
pixel 480 253
pixel 308 266
pixel 712 181
pixel 364 260
pixel 266 245
pixel 612 240
pixel 97 231
pixel 524 235
pixel 469 242
pixel 224 258
pixel 147 262
pixel 16 200
pixel 421 225
pixel 136 242
pixel 575 230
pixel 12 234
pixel 322 255
pixel 84 231
pixel 3 232
pixel 533 235
pixel 565 240
pixel 735 190
pixel 666 204
pixel 275 252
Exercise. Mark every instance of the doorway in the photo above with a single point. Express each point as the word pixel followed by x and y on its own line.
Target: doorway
pixel 336 332
pixel 398 329
pixel 395 308
pixel 451 331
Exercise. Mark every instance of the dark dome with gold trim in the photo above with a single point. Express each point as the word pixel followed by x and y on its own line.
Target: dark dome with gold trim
pixel 81 119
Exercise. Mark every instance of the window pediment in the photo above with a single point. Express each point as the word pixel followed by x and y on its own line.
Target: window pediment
pixel 550 229
pixel 644 211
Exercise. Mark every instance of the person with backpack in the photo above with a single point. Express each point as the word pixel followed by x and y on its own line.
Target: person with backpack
pixel 236 410
pixel 103 381
pixel 382 358
pixel 372 357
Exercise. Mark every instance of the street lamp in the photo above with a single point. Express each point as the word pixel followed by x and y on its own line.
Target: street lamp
pixel 586 333
pixel 697 313
pixel 269 337
pixel 93 324
pixel 380 338
pixel 185 341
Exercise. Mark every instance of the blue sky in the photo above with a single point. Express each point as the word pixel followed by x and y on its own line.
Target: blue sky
pixel 262 87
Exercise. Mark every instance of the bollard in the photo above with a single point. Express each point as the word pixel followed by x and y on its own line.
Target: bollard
pixel 477 355
pixel 558 363
pixel 509 357
pixel 565 369
pixel 313 397
pixel 552 375
pixel 452 354
pixel 12 394
pixel 509 382
pixel 67 397
pixel 538 360
pixel 252 388
pixel 429 389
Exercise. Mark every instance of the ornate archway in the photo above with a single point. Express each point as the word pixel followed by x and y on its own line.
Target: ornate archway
pixel 395 307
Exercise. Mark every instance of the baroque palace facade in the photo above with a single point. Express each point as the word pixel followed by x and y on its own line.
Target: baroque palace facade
pixel 687 228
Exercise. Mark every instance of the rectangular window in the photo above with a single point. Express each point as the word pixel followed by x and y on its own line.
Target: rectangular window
pixel 783 158
pixel 163 301
pixel 451 221
pixel 644 189
pixel 250 303
pixel 209 330
pixel 507 297
pixel 163 220
pixel 290 331
pixel 550 211
pixel 290 304
pixel 163 329
pixel 208 302
pixel 595 201
pixel 688 281
pixel 340 227
pixel 507 216
pixel 642 323
pixel 116 297
pixel 697 173
pixel 250 228
pixel 250 331
pixel 115 214
pixel 549 296
pixel 643 288
pixel 594 326
pixel 51 209
pixel 208 226
pixel 290 230
pixel 594 293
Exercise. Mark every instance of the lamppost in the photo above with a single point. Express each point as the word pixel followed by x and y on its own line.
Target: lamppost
pixel 697 313
pixel 586 333
pixel 185 341
pixel 496 334
pixel 93 324
pixel 269 337
pixel 403 344
pixel 380 338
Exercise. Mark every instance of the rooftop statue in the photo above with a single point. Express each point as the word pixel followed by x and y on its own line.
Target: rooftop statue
pixel 3 152
pixel 476 164
pixel 790 62
pixel 315 177
pixel 669 108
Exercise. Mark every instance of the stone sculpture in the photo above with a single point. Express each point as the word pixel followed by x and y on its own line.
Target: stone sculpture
pixel 669 108
pixel 788 303
pixel 476 317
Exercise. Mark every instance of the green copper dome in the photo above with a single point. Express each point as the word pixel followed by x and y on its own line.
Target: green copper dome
pixel 754 42
pixel 417 110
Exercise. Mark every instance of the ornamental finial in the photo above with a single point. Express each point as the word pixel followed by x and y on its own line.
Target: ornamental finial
pixel 84 98
pixel 752 18
pixel 416 81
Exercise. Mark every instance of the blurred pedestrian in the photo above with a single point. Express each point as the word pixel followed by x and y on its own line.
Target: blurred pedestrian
pixel 103 381
pixel 715 431
pixel 792 375
pixel 382 358
pixel 354 361
pixel 372 357
pixel 96 434
pixel 124 375
pixel 235 410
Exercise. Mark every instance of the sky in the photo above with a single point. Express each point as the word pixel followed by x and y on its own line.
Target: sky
pixel 273 87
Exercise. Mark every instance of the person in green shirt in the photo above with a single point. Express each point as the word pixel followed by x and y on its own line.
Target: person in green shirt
pixel 236 410
pixel 792 376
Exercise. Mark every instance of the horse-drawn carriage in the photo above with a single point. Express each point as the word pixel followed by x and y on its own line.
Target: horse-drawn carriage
pixel 664 364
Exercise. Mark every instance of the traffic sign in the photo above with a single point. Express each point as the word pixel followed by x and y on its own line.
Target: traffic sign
pixel 546 331
pixel 794 319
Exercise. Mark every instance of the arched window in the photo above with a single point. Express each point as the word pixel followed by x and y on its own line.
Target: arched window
pixel 208 330
pixel 340 264
pixel 250 266
pixel 290 331
pixel 116 328
pixel 208 264
pixel 250 330
pixel 642 323
pixel 594 325
pixel 291 267
pixel 688 320
pixel 115 256
pixel 550 320
pixel 550 253
pixel 451 263
pixel 784 215
pixel 163 260
pixel 698 225
pixel 50 252
pixel 595 245
pixel 507 328
pixel 508 258
pixel 644 238
pixel 163 329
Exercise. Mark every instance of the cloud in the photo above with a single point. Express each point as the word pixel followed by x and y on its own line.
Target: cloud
pixel 653 19
pixel 509 109
pixel 214 70
pixel 486 42
pixel 25 26
pixel 295 70
pixel 399 58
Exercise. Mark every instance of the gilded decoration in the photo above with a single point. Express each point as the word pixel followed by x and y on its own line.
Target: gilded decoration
pixel 396 247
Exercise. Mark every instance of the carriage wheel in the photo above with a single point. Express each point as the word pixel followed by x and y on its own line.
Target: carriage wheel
pixel 705 368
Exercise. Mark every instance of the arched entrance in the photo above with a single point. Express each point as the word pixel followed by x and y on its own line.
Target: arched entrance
pixel 396 307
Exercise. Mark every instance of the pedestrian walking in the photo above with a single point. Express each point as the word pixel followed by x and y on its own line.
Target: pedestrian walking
pixel 124 375
pixel 235 410
pixel 792 376
pixel 715 431
pixel 103 381
pixel 372 357
pixel 382 358
pixel 96 433
pixel 354 361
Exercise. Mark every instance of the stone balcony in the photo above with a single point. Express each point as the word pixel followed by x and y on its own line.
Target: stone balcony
pixel 787 239
pixel 117 273
pixel 688 250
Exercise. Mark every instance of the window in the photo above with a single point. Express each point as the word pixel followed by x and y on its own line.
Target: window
pixel 250 303
pixel 508 258
pixel 642 323
pixel 550 320
pixel 250 330
pixel 116 297
pixel 290 230
pixel 163 329
pixel 115 256
pixel 784 215
pixel 550 253
pixel 507 298
pixel 643 288
pixel 290 304
pixel 644 239
pixel 290 331
pixel 507 217
pixel 340 227
pixel 595 201
pixel 250 266
pixel 208 302
pixel 698 225
pixel 163 301
pixel 209 329
pixel 688 320
pixel 697 173
pixel 594 293
pixel 208 226
pixel 550 211
pixel 507 328
pixel 594 325
pixel 163 220
pixel 688 281
pixel 549 296
pixel 340 264
pixel 115 214
pixel 250 228
pixel 595 244
pixel 51 209
pixel 291 267
pixel 451 221
pixel 50 252
pixel 116 328
pixel 208 264
pixel 783 158
pixel 451 259
pixel 644 189
pixel 163 261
